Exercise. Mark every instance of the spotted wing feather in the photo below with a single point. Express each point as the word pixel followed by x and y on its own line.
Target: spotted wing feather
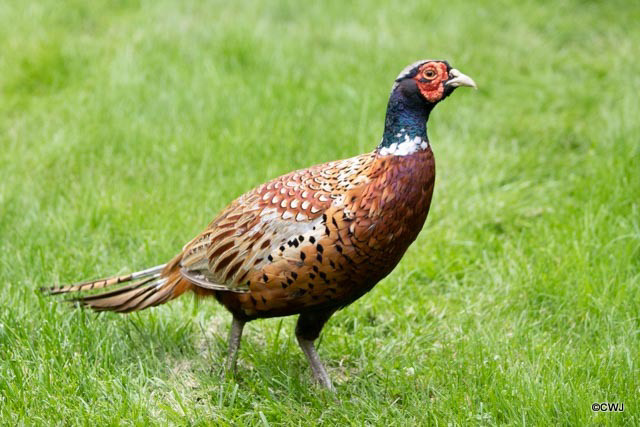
pixel 250 240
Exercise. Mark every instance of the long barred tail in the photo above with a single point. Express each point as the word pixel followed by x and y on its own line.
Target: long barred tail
pixel 103 283
pixel 145 288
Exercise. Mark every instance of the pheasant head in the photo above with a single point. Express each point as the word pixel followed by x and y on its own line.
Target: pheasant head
pixel 416 91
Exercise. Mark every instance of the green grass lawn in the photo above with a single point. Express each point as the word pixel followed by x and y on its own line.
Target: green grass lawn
pixel 126 126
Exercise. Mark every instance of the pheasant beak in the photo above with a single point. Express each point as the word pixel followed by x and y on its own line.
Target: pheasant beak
pixel 458 79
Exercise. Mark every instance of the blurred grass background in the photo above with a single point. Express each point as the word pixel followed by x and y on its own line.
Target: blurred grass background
pixel 126 125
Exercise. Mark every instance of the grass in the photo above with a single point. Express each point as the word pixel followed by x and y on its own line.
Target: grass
pixel 125 126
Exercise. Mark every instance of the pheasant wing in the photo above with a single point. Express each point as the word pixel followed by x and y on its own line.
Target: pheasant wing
pixel 267 220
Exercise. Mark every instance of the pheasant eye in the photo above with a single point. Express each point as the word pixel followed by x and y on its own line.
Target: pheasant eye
pixel 429 73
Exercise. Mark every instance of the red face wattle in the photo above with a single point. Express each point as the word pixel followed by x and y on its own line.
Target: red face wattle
pixel 430 80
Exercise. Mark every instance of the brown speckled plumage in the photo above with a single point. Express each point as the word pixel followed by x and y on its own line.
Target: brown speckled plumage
pixel 363 223
pixel 311 241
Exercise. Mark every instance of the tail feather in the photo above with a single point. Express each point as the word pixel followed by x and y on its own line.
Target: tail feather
pixel 115 292
pixel 103 283
pixel 150 287
pixel 137 296
pixel 124 301
pixel 114 299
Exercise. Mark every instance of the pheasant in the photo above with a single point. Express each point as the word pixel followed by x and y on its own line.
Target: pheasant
pixel 309 242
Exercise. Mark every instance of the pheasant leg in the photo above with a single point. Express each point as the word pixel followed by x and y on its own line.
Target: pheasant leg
pixel 307 331
pixel 319 373
pixel 234 344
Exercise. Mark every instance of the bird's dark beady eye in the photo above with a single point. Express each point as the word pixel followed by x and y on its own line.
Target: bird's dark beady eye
pixel 429 73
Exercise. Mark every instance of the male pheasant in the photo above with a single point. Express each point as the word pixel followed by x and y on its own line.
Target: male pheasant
pixel 312 241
